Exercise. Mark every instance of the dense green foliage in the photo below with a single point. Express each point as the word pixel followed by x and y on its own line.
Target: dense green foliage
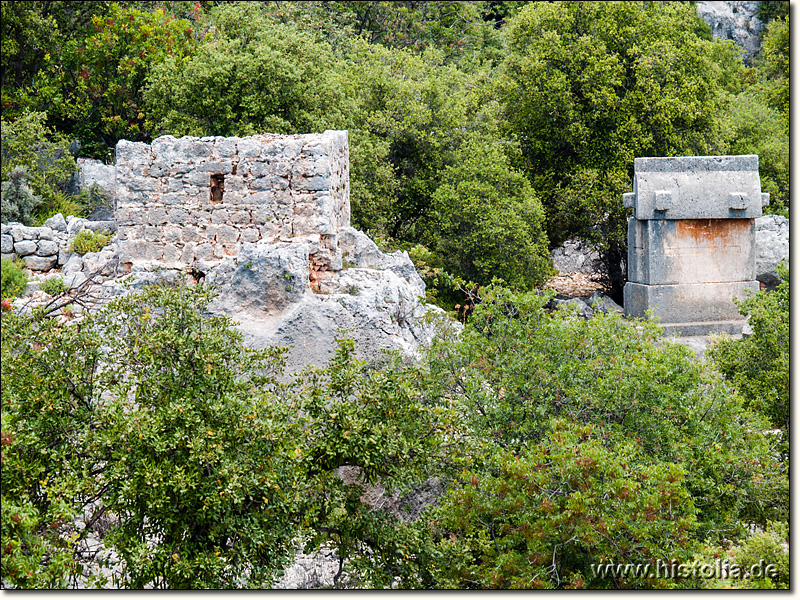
pixel 481 134
pixel 14 279
pixel 519 375
pixel 212 469
pixel 89 241
pixel 758 365
pixel 27 142
pixel 562 443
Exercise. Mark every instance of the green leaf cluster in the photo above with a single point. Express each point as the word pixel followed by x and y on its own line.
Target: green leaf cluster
pixel 29 143
pixel 557 415
pixel 758 365
pixel 14 280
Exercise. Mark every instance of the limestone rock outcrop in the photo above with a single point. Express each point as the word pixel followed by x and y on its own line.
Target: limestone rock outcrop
pixel 772 247
pixel 735 20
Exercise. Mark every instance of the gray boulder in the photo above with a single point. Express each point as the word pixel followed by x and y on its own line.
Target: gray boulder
pixel 25 247
pixel 735 20
pixel 21 232
pixel 57 223
pixel 574 304
pixel 7 244
pixel 74 264
pixel 100 182
pixel 41 263
pixel 573 256
pixel 358 250
pixel 47 248
pixel 602 303
pixel 104 225
pixel 265 278
pixel 74 225
pixel 772 247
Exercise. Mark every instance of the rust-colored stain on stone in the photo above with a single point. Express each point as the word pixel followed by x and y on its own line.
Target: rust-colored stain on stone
pixel 713 232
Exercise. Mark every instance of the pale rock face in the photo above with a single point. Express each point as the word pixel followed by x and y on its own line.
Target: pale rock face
pixel 573 256
pixel 735 20
pixel 772 247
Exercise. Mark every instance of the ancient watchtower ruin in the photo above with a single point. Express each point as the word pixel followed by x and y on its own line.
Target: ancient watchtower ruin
pixel 193 202
pixel 691 241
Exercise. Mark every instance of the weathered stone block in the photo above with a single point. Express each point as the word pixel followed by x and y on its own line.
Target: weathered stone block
pixel 219 215
pixel 25 247
pixel 21 232
pixel 691 243
pixel 204 252
pixel 704 306
pixel 697 187
pixel 47 248
pixel 690 250
pixel 41 263
pixel 7 244
pixel 227 235
pixel 157 216
pixel 178 216
pixel 239 217
pixel 172 254
pixel 249 234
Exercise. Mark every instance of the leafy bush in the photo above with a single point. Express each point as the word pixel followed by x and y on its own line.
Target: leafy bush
pixel 89 241
pixel 770 545
pixel 210 468
pixel 514 369
pixel 54 286
pixel 28 142
pixel 537 519
pixel 758 365
pixel 271 78
pixel 14 280
pixel 17 198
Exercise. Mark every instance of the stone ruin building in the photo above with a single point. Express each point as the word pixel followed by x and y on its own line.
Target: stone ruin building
pixel 692 241
pixel 193 202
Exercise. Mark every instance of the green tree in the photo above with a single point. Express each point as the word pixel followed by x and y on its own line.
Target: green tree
pixel 750 125
pixel 95 83
pixel 775 62
pixel 592 85
pixel 516 367
pixel 254 76
pixel 27 142
pixel 154 413
pixel 430 166
pixel 491 221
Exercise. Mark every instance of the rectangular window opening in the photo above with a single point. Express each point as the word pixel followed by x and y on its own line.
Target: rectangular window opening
pixel 217 188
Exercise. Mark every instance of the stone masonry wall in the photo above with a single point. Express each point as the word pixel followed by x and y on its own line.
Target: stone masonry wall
pixel 192 202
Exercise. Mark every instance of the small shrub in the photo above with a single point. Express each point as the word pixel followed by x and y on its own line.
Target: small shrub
pixel 60 203
pixel 14 280
pixel 759 365
pixel 54 286
pixel 17 198
pixel 28 142
pixel 90 241
pixel 771 547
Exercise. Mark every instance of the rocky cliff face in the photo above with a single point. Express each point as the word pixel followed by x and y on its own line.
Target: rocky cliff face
pixel 735 20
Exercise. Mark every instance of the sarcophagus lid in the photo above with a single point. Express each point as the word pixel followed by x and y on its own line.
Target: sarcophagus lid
pixel 696 187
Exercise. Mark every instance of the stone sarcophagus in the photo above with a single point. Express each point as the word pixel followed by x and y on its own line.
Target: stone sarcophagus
pixel 691 241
